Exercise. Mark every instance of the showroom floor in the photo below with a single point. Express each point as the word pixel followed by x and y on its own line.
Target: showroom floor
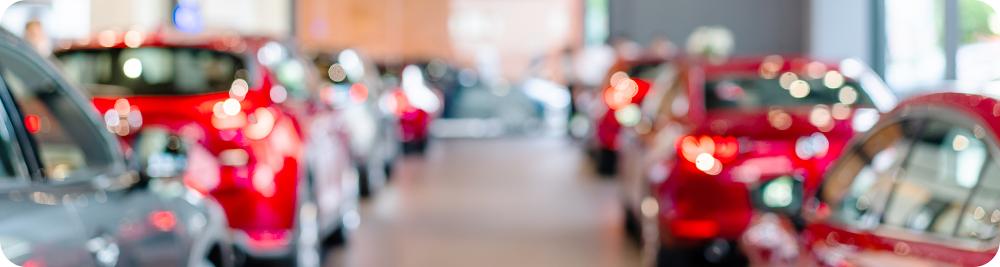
pixel 497 202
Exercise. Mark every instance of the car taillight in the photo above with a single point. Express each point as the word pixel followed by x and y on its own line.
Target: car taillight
pixel 694 229
pixel 625 92
pixel 708 153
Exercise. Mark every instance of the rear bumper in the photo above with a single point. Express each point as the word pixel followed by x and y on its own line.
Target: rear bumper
pixel 696 208
pixel 264 244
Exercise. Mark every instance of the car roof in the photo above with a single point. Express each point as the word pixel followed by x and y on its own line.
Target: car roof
pixel 221 41
pixel 986 108
pixel 751 65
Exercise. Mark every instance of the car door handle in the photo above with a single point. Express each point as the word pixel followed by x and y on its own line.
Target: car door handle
pixel 104 249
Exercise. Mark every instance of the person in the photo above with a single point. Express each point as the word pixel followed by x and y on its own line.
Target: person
pixel 35 35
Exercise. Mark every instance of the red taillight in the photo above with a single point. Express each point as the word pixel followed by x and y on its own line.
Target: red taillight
pixel 694 229
pixel 32 123
pixel 627 91
pixel 723 148
pixel 163 220
pixel 708 153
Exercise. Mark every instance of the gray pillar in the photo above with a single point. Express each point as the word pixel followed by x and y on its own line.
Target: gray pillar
pixel 951 39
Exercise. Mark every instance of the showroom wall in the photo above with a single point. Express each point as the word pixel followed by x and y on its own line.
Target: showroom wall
pixel 262 17
pixel 841 29
pixel 761 26
pixel 501 35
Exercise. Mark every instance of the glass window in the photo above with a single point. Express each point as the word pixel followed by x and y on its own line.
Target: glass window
pixel 667 99
pixel 11 160
pixel 979 41
pixel 69 143
pixel 862 180
pixel 915 54
pixel 153 70
pixel 944 164
pixel 756 92
pixel 982 214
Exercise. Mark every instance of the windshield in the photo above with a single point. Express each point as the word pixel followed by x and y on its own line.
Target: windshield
pixel 756 92
pixel 153 70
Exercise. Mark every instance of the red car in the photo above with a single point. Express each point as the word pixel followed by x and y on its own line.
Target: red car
pixel 415 105
pixel 713 130
pixel 919 189
pixel 271 154
pixel 617 98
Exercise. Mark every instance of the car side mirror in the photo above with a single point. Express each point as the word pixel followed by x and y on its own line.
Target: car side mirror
pixel 158 154
pixel 782 195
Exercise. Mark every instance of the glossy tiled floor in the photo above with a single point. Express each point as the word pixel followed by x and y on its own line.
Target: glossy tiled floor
pixel 504 202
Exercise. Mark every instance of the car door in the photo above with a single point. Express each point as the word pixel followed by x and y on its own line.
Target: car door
pixel 38 228
pixel 943 208
pixel 123 220
pixel 856 190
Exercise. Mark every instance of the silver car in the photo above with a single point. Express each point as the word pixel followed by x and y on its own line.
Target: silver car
pixel 68 197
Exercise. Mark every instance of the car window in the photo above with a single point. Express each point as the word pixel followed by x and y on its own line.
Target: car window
pixel 295 76
pixel 68 142
pixel 944 164
pixel 669 98
pixel 981 217
pixel 859 185
pixel 741 92
pixel 153 70
pixel 12 166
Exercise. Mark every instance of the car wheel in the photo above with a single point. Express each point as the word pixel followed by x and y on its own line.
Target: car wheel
pixel 632 224
pixel 716 253
pixel 337 238
pixel 366 183
pixel 607 162
pixel 666 257
pixel 219 256
pixel 415 147
pixel 387 167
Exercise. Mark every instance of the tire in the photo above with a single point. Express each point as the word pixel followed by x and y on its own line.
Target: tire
pixel 337 238
pixel 700 256
pixel 607 162
pixel 387 168
pixel 415 147
pixel 366 187
pixel 633 226
pixel 220 256
pixel 671 258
